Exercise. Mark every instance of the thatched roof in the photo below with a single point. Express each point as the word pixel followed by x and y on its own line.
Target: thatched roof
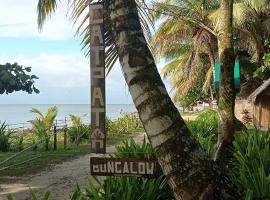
pixel 252 98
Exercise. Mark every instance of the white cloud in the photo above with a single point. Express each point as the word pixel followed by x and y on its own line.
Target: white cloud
pixel 19 19
pixel 56 70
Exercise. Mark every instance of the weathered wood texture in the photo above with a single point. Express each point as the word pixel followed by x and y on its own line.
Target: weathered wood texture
pixel 123 167
pixel 261 115
pixel 97 62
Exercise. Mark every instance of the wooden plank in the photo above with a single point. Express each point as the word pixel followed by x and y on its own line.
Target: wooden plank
pixel 123 167
pixel 265 118
pixel 97 62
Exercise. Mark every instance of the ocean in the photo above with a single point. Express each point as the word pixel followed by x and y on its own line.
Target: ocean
pixel 15 114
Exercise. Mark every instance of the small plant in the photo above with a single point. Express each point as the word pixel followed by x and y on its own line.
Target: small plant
pixel 205 129
pixel 78 131
pixel 43 124
pixel 130 149
pixel 251 169
pixel 126 124
pixel 33 196
pixel 205 124
pixel 78 134
pixel 246 118
pixel 19 144
pixel 5 136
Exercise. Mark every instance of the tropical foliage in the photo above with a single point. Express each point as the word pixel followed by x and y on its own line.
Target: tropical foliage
pixel 130 149
pixel 5 136
pixel 126 124
pixel 193 95
pixel 14 77
pixel 187 39
pixel 79 131
pixel 43 124
pixel 251 165
pixel 263 72
pixel 78 12
pixel 205 129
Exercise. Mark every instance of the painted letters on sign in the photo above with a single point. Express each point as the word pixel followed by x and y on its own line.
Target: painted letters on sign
pixel 122 167
pixel 97 62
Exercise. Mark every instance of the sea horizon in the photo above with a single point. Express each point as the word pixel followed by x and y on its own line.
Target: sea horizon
pixel 20 113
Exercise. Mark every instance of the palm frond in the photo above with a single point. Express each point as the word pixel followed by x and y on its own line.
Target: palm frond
pixel 37 111
pixel 44 9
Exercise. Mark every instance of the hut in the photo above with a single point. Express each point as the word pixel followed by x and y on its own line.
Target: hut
pixel 260 99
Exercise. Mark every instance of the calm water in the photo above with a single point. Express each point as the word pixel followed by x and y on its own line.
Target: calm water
pixel 14 114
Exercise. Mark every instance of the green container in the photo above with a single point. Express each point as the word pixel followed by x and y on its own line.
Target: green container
pixel 236 75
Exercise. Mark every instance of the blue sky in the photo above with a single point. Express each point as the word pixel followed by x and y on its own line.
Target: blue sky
pixel 55 57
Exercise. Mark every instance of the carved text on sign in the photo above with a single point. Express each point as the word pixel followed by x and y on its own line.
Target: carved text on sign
pixel 97 62
pixel 122 166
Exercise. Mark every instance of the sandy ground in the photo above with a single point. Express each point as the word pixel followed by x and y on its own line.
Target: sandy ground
pixel 60 179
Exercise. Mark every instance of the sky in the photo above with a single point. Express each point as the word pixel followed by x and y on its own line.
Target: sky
pixel 55 56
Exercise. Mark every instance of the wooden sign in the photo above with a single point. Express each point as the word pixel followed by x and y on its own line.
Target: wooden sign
pixel 97 62
pixel 123 167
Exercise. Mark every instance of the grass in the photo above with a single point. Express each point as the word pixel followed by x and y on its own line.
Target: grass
pixel 43 159
pixel 46 158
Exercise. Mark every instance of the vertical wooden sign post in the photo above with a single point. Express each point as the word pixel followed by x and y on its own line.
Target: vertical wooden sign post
pixel 102 166
pixel 97 62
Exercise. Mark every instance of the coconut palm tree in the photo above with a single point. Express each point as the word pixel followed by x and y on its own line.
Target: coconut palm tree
pixel 187 40
pixel 190 172
pixel 192 26
pixel 192 29
pixel 43 123
pixel 226 91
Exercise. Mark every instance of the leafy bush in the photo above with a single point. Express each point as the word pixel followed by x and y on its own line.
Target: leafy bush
pixel 251 167
pixel 79 131
pixel 78 134
pixel 128 188
pixel 126 124
pixel 4 137
pixel 205 124
pixel 19 143
pixel 205 130
pixel 130 149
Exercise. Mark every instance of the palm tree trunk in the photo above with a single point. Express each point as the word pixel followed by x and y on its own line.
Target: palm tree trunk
pixel 190 172
pixel 226 89
pixel 212 62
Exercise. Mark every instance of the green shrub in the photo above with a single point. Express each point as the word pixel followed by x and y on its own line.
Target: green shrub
pixel 5 137
pixel 128 188
pixel 251 167
pixel 19 143
pixel 205 124
pixel 130 149
pixel 126 124
pixel 78 134
pixel 205 130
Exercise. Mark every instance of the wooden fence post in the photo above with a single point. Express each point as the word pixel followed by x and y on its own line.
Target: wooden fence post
pixel 65 137
pixel 55 137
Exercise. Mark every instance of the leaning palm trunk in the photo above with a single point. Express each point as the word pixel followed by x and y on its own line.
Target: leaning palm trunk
pixel 226 89
pixel 190 172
